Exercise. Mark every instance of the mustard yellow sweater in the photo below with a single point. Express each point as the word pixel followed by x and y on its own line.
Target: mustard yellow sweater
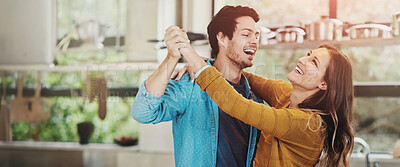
pixel 289 136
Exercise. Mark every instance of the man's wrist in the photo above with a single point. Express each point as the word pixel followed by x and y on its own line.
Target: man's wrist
pixel 172 57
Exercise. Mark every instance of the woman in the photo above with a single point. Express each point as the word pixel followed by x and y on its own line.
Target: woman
pixel 311 116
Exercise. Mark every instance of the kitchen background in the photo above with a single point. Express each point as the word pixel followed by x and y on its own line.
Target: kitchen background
pixel 88 57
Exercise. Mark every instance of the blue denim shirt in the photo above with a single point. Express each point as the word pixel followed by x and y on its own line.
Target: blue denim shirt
pixel 194 117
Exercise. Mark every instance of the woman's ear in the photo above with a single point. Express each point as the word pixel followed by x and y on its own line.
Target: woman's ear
pixel 222 39
pixel 323 86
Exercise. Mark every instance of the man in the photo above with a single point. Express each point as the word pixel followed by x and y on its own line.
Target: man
pixel 203 134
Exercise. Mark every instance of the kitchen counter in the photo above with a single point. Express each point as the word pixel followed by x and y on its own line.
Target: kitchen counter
pixel 73 146
pixel 67 154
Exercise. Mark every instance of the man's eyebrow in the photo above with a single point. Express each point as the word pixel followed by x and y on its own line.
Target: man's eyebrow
pixel 248 29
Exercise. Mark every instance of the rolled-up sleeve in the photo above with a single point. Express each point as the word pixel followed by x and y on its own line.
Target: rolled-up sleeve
pixel 148 109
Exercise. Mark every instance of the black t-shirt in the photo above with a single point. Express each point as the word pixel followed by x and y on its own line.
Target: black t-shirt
pixel 233 136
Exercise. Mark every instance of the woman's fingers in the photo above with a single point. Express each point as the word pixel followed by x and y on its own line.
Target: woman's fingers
pixel 180 73
pixel 191 74
pixel 175 74
pixel 206 58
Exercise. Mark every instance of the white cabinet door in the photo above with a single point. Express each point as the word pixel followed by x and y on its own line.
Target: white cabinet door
pixel 27 31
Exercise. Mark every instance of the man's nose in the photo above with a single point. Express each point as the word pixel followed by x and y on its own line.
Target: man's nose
pixel 254 40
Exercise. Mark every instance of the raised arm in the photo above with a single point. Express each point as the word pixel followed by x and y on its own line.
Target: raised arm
pixel 269 119
pixel 160 99
pixel 269 90
pixel 175 38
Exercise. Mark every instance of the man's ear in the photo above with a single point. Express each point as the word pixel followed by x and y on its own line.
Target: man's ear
pixel 222 39
pixel 323 86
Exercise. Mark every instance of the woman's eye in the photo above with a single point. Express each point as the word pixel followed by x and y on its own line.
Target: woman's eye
pixel 314 62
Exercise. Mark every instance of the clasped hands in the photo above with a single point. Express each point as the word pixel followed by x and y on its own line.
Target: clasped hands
pixel 178 45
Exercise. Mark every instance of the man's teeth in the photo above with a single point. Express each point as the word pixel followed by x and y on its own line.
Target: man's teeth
pixel 249 51
pixel 299 70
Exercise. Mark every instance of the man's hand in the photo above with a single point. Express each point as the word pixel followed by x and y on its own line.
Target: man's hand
pixel 175 38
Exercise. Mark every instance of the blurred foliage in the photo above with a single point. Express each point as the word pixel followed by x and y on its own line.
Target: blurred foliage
pixel 67 112
pixel 108 12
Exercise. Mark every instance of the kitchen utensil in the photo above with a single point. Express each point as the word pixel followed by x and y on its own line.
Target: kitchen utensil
pixel 37 113
pixel 126 141
pixel 102 98
pixel 19 105
pixel 396 24
pixel 85 130
pixel 92 34
pixel 325 29
pixel 91 88
pixel 5 128
pixel 370 31
pixel 290 34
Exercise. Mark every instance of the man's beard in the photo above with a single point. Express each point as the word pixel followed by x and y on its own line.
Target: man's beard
pixel 234 58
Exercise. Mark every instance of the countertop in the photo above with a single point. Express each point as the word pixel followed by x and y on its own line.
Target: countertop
pixel 73 146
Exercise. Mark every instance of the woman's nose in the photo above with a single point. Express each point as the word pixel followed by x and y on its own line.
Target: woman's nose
pixel 303 60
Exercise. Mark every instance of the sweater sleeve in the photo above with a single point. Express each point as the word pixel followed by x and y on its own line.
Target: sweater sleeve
pixel 271 91
pixel 275 121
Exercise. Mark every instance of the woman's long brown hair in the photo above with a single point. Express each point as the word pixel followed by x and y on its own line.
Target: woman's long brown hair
pixel 335 107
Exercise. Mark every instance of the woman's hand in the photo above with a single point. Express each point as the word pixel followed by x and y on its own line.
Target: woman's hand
pixel 178 74
pixel 194 61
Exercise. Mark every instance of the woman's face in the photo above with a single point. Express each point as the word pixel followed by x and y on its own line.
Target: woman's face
pixel 310 70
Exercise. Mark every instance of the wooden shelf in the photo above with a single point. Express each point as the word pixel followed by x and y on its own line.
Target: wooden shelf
pixel 140 66
pixel 361 89
pixel 373 42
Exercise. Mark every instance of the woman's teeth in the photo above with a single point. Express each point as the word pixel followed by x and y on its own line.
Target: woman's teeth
pixel 299 70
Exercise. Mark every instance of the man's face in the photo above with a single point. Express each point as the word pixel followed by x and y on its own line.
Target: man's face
pixel 244 44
